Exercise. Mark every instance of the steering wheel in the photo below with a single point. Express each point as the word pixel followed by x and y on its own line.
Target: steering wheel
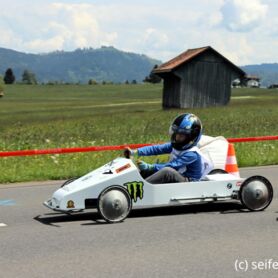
pixel 128 155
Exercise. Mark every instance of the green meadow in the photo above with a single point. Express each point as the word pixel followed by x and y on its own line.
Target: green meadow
pixel 54 116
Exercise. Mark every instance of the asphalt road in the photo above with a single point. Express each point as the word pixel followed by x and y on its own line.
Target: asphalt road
pixel 190 241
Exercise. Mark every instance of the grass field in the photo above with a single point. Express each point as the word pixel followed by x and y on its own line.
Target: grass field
pixel 39 117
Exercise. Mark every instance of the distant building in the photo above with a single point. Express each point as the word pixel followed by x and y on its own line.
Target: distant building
pixel 273 86
pixel 251 81
pixel 198 77
pixel 236 83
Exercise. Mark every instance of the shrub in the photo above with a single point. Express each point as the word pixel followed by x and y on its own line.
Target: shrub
pixel 1 86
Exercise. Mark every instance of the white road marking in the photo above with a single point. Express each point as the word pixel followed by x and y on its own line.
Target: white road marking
pixel 3 225
pixel 242 97
pixel 117 104
pixel 7 202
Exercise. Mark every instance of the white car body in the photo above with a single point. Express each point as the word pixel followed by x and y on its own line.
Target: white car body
pixel 123 172
pixel 130 189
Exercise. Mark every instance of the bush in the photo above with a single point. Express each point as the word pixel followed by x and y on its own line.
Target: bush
pixel 92 82
pixel 1 86
pixel 29 77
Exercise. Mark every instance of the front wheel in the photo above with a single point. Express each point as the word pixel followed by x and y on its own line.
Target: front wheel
pixel 114 204
pixel 256 193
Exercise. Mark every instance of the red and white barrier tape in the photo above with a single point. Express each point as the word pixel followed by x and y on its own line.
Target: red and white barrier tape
pixel 70 150
pixel 252 139
pixel 113 148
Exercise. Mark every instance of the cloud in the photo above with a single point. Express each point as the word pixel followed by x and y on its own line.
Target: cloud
pixel 75 25
pixel 154 38
pixel 236 48
pixel 246 30
pixel 243 16
pixel 44 45
pixel 53 26
pixel 8 38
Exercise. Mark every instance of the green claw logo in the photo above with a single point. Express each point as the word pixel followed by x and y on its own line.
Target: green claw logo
pixel 135 190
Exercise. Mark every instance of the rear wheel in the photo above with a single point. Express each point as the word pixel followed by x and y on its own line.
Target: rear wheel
pixel 217 171
pixel 114 204
pixel 256 193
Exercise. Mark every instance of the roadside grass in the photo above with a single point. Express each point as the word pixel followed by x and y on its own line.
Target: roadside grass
pixel 40 117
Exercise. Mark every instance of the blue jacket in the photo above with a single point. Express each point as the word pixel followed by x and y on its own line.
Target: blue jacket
pixel 187 163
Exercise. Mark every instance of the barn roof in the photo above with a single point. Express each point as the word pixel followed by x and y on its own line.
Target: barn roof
pixel 187 56
pixel 253 77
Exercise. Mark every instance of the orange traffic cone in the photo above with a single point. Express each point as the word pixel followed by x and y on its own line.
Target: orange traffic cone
pixel 231 163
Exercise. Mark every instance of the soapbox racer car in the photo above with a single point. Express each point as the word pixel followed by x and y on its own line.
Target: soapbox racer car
pixel 117 187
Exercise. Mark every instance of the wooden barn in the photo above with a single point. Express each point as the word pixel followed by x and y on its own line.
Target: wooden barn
pixel 199 77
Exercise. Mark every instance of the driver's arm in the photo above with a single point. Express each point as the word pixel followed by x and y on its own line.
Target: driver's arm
pixel 149 150
pixel 155 149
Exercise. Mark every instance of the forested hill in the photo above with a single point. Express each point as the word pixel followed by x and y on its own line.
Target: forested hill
pixel 81 65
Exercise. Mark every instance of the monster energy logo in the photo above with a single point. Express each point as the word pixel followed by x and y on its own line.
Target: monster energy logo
pixel 135 189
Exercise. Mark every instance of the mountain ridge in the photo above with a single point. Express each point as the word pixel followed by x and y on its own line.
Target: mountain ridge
pixel 80 65
pixel 101 64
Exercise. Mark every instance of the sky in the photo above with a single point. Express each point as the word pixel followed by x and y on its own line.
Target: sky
pixel 244 31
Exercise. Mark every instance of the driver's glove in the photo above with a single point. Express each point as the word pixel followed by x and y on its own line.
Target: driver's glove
pixel 143 166
pixel 128 152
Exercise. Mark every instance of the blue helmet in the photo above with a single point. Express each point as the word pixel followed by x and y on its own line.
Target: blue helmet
pixel 189 125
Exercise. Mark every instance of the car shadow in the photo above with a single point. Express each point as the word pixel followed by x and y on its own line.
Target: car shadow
pixel 53 219
pixel 58 217
pixel 221 208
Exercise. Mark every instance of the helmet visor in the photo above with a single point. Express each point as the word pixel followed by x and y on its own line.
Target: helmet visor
pixel 174 129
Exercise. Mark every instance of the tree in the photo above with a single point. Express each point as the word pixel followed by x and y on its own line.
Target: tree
pixel 92 82
pixel 29 77
pixel 153 78
pixel 9 77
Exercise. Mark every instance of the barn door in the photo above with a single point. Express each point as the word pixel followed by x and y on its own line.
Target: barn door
pixel 171 91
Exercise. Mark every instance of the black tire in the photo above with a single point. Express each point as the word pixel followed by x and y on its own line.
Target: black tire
pixel 256 193
pixel 69 181
pixel 118 207
pixel 217 171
